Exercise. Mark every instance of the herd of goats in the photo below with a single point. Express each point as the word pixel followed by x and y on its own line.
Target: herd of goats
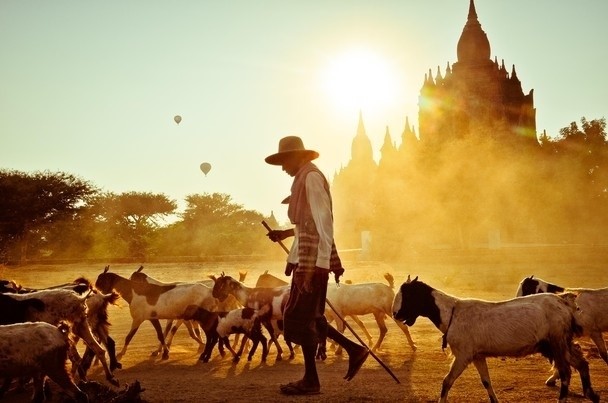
pixel 39 328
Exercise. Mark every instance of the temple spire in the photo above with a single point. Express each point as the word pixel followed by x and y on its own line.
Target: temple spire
pixel 473 45
pixel 388 145
pixel 361 148
pixel 472 12
pixel 361 126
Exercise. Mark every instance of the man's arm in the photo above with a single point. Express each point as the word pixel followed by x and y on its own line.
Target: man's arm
pixel 320 206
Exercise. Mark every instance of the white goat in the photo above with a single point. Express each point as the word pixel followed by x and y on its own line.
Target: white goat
pixel 476 329
pixel 591 315
pixel 362 299
pixel 269 280
pixel 37 350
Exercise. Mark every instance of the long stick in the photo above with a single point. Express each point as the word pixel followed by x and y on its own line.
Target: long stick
pixel 343 320
pixel 280 242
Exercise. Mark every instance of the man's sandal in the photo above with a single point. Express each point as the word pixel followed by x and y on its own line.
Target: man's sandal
pixel 299 388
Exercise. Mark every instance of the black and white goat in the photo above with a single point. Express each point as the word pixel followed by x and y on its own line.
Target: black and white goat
pixel 256 298
pixel 592 303
pixel 154 302
pixel 38 350
pixel 476 329
pixel 219 325
pixel 172 326
pixel 531 285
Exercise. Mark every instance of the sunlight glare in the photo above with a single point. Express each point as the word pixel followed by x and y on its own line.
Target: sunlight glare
pixel 359 79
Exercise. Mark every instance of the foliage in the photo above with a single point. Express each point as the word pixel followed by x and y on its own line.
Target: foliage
pixel 130 221
pixel 31 203
pixel 212 224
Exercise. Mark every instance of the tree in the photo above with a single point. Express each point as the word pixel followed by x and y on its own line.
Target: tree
pixel 31 202
pixel 583 165
pixel 212 224
pixel 132 219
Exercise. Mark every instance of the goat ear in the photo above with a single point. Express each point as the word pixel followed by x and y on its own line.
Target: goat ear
pixel 212 277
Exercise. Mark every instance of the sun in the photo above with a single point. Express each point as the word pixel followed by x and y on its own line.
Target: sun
pixel 360 79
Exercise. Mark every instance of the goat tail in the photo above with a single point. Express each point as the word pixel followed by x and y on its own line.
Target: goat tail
pixel 569 299
pixel 390 279
pixel 111 298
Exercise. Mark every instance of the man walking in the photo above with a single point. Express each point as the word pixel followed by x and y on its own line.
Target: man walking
pixel 312 257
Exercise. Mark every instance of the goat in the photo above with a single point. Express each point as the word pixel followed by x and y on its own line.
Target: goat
pixel 15 311
pixel 8 286
pixel 97 317
pixel 227 305
pixel 65 305
pixel 269 280
pixel 154 302
pixel 37 350
pixel 591 314
pixel 256 298
pixel 219 325
pixel 170 327
pixel 476 329
pixel 12 287
pixel 531 285
pixel 362 299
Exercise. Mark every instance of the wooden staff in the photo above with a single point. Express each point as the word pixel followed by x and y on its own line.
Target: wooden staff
pixel 343 320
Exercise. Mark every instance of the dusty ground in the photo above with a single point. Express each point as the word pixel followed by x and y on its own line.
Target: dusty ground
pixel 183 378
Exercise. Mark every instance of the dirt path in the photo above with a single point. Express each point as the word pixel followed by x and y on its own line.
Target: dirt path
pixel 183 378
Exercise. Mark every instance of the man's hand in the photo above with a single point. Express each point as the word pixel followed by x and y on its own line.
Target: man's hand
pixel 277 235
pixel 289 268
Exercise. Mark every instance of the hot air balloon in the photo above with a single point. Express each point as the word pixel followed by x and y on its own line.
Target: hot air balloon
pixel 205 167
pixel 177 119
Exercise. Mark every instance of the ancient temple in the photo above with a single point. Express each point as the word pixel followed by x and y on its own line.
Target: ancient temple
pixel 475 92
pixel 475 98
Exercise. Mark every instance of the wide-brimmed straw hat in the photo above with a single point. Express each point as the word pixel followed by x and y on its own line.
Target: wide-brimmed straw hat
pixel 289 147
